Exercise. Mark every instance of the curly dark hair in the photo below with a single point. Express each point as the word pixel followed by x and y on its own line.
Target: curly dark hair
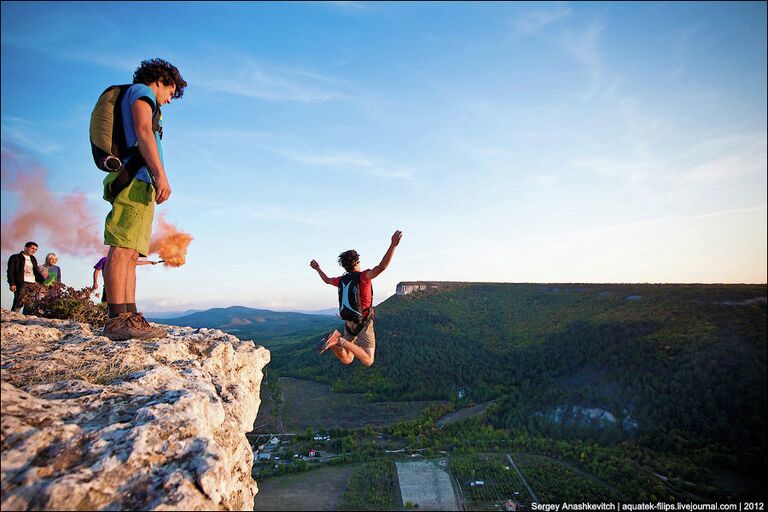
pixel 153 70
pixel 348 259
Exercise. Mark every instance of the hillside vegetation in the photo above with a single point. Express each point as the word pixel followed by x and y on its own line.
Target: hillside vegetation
pixel 674 368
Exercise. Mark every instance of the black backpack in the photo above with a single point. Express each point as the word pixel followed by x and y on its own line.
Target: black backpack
pixel 349 299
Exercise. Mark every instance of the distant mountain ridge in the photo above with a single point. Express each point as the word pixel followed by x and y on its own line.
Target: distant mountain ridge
pixel 260 325
pixel 170 314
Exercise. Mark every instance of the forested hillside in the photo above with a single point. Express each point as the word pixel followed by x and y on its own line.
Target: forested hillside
pixel 675 367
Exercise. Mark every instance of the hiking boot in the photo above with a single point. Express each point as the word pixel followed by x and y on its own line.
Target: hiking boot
pixel 148 332
pixel 328 341
pixel 128 326
pixel 116 328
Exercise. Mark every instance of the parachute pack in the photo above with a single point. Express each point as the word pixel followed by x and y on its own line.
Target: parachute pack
pixel 349 299
pixel 108 144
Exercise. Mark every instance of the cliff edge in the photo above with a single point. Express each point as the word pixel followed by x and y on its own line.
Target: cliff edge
pixel 89 423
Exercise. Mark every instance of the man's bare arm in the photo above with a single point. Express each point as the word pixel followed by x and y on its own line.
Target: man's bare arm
pixel 142 121
pixel 315 265
pixel 381 267
pixel 96 278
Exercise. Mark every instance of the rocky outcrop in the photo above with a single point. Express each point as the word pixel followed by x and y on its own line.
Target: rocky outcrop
pixel 89 423
pixel 408 287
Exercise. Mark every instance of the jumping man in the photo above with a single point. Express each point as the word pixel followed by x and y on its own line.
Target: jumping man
pixel 355 306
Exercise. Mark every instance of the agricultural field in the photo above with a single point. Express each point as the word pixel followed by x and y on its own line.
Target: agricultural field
pixel 487 480
pixel 307 404
pixel 555 482
pixel 373 486
pixel 319 489
pixel 426 485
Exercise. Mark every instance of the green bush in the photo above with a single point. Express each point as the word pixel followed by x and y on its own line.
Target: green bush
pixel 63 302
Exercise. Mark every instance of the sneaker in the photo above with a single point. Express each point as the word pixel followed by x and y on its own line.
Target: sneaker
pixel 116 328
pixel 328 341
pixel 149 332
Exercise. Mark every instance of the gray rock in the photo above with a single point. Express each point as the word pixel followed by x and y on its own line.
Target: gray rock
pixel 89 423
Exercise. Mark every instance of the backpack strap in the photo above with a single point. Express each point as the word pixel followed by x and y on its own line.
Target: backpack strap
pixel 133 159
pixel 127 172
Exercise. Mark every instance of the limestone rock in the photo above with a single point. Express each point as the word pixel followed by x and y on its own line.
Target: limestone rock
pixel 89 423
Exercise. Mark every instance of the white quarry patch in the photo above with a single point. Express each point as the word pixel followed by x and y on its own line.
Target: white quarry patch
pixel 93 424
pixel 426 484
pixel 590 416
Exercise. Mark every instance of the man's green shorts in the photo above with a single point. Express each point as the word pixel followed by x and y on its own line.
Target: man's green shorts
pixel 129 224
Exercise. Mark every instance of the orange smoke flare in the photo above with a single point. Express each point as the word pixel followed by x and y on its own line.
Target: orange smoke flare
pixel 169 243
pixel 65 221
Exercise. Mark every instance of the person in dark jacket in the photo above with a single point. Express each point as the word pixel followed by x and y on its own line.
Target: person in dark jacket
pixel 22 270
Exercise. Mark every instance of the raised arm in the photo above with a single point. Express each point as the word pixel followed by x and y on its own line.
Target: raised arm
pixel 381 267
pixel 315 265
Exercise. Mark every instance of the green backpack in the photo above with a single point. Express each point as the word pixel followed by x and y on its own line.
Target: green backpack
pixel 108 144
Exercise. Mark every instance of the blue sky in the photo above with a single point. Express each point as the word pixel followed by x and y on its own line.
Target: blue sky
pixel 511 142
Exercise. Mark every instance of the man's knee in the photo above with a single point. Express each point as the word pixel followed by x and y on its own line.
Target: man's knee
pixel 123 254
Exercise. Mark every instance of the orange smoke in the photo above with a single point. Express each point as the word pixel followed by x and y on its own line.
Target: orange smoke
pixel 64 221
pixel 169 243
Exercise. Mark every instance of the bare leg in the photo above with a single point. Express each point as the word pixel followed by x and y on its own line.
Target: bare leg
pixel 130 281
pixel 116 275
pixel 342 355
pixel 347 351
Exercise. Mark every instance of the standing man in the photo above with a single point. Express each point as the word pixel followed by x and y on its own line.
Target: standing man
pixel 128 226
pixel 359 339
pixel 22 269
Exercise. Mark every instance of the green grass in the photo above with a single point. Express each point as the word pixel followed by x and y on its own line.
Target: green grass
pixel 373 486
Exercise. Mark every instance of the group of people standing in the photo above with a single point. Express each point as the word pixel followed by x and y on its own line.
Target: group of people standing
pixel 24 270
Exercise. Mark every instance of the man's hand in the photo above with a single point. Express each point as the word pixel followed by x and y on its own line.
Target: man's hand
pixel 13 288
pixel 396 238
pixel 162 189
pixel 315 265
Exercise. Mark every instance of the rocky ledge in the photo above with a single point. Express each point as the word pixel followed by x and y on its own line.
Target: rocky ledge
pixel 89 423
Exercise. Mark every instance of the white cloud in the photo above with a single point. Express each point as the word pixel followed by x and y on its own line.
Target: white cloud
pixel 534 21
pixel 351 7
pixel 711 162
pixel 351 161
pixel 250 78
pixel 650 222
pixel 24 133
pixel 584 46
